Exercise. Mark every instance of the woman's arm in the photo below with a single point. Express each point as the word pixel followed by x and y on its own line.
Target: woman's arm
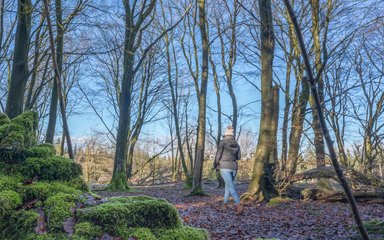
pixel 219 153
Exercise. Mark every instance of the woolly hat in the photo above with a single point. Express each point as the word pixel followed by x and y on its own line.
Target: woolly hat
pixel 230 131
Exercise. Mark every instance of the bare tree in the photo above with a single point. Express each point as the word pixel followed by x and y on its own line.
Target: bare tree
pixel 265 158
pixel 202 101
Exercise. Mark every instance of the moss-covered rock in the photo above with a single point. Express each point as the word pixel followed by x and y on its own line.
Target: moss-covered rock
pixel 4 119
pixel 87 230
pixel 278 200
pixel 182 233
pixel 9 201
pixel 9 182
pixel 136 233
pixel 44 150
pixel 43 190
pixel 51 169
pixel 58 209
pixel 20 224
pixel 78 183
pixel 55 236
pixel 131 212
pixel 16 136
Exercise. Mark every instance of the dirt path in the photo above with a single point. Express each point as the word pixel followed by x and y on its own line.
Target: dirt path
pixel 292 220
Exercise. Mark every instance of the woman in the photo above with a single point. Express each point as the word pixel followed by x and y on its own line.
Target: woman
pixel 227 154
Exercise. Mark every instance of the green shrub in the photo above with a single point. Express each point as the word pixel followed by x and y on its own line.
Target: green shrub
pixel 9 201
pixel 182 233
pixel 131 212
pixel 43 190
pixel 58 209
pixel 44 150
pixel 136 233
pixel 87 230
pixel 51 168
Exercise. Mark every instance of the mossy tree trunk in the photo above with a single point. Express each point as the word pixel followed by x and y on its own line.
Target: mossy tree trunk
pixel 202 101
pixel 19 72
pixel 261 185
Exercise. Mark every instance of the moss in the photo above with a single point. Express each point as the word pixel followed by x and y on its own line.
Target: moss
pixel 4 119
pixel 182 233
pixel 375 227
pixel 136 233
pixel 119 182
pixel 17 135
pixel 44 150
pixel 278 200
pixel 131 212
pixel 55 236
pixel 9 201
pixel 58 209
pixel 28 120
pixel 9 182
pixel 51 169
pixel 78 183
pixel 86 230
pixel 18 224
pixel 198 192
pixel 43 190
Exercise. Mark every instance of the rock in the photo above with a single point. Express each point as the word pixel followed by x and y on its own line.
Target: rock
pixel 69 225
pixel 41 227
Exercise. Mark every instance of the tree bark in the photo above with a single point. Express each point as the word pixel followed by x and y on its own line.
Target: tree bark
pixel 36 64
pixel 175 112
pixel 261 182
pixel 119 178
pixel 202 100
pixel 319 139
pixel 58 82
pixel 324 128
pixel 19 72
pixel 50 134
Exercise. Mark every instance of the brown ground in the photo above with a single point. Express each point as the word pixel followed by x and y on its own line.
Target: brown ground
pixel 292 220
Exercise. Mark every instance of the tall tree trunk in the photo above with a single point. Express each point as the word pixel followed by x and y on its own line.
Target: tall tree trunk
pixel 175 112
pixel 19 72
pixel 265 155
pixel 323 124
pixel 319 139
pixel 202 97
pixel 58 81
pixel 287 100
pixel 298 117
pixel 59 59
pixel 36 63
pixel 216 85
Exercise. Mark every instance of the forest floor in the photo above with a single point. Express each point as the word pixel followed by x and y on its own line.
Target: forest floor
pixel 297 220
